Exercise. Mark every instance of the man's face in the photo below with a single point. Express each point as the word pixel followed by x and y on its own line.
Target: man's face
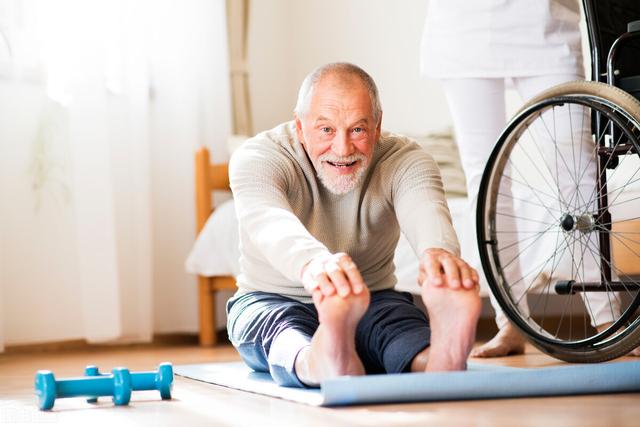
pixel 339 132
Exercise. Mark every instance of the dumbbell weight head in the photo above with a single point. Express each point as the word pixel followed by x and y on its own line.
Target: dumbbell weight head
pixel 164 380
pixel 121 386
pixel 92 371
pixel 45 385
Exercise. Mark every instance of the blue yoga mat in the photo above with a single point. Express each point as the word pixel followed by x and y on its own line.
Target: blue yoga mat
pixel 479 382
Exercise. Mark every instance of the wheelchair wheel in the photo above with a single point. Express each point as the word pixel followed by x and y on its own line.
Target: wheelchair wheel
pixel 558 221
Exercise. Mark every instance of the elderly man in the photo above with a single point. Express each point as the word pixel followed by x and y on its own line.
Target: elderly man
pixel 321 202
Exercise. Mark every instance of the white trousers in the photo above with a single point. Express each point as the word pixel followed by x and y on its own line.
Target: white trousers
pixel 479 116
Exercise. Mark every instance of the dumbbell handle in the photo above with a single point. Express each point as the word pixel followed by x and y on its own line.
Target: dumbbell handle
pixel 139 380
pixel 160 380
pixel 143 380
pixel 85 386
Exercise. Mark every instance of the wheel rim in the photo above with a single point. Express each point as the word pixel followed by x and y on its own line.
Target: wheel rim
pixel 564 215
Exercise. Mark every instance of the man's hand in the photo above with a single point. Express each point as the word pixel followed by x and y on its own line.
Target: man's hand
pixel 330 274
pixel 439 267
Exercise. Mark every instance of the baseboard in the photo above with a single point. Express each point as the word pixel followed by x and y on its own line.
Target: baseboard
pixel 53 346
pixel 162 339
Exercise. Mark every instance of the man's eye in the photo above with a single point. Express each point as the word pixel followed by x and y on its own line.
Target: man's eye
pixel 358 130
pixel 326 129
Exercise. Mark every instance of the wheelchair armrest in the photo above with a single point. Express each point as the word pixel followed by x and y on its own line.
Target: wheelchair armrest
pixel 633 26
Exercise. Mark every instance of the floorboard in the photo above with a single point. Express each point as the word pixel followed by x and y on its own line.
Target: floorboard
pixel 197 403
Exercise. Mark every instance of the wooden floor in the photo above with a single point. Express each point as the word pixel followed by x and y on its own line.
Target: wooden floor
pixel 196 403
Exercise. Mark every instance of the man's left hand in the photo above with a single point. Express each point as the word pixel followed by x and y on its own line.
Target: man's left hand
pixel 439 267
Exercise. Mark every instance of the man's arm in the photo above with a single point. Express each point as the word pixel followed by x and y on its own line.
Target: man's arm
pixel 260 181
pixel 425 220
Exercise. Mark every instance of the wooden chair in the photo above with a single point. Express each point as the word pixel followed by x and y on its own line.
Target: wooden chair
pixel 209 177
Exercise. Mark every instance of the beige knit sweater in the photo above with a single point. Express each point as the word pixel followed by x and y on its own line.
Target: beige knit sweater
pixel 286 216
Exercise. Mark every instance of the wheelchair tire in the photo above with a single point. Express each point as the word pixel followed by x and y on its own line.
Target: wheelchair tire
pixel 569 214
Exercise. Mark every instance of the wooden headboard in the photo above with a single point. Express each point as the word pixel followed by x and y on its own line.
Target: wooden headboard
pixel 209 177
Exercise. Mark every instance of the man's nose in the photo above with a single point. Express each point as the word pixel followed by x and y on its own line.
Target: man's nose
pixel 342 146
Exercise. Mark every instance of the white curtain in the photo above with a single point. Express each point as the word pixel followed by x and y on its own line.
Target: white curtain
pixel 238 33
pixel 102 104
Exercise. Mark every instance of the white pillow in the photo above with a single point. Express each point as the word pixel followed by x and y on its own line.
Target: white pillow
pixel 216 251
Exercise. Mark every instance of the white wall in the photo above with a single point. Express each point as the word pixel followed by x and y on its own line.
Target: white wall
pixel 184 116
pixel 290 38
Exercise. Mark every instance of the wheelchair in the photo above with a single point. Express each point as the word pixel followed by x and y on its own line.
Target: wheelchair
pixel 558 219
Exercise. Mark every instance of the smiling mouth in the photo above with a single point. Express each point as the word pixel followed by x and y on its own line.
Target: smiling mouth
pixel 342 165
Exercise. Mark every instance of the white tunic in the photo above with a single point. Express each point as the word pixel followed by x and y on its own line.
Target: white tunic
pixel 501 38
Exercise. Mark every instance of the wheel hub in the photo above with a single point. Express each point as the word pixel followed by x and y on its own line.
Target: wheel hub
pixel 584 223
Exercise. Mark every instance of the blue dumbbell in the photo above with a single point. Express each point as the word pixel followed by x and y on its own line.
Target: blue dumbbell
pixel 117 384
pixel 161 380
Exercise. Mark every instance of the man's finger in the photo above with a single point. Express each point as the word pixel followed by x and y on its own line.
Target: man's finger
pixel 317 296
pixel 451 271
pixel 433 270
pixel 338 279
pixel 326 286
pixel 466 275
pixel 310 284
pixel 353 274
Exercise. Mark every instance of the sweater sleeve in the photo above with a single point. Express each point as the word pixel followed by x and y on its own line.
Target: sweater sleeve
pixel 261 176
pixel 421 208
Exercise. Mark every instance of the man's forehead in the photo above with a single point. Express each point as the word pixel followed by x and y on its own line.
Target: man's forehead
pixel 327 99
pixel 320 118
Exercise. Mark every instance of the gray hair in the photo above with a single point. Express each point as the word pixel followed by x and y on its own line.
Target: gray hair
pixel 344 68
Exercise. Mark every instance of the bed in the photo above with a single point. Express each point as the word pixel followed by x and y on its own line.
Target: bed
pixel 214 256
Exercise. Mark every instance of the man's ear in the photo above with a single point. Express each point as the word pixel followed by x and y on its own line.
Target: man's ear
pixel 379 126
pixel 299 129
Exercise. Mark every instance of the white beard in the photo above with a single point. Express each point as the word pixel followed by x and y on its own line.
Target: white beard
pixel 341 184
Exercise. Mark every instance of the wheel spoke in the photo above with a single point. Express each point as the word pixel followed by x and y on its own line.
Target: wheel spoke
pixel 538 191
pixel 560 153
pixel 529 202
pixel 535 193
pixel 537 235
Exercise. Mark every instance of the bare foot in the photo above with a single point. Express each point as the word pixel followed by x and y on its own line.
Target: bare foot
pixel 453 317
pixel 332 352
pixel 508 341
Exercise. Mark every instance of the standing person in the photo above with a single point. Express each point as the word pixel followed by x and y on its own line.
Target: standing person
pixel 320 203
pixel 477 48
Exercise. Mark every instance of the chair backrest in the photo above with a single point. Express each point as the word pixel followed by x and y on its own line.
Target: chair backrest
pixel 209 177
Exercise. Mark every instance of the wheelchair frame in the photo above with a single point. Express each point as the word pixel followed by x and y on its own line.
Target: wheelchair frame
pixel 608 118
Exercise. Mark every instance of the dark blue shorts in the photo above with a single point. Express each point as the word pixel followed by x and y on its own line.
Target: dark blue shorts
pixel 269 330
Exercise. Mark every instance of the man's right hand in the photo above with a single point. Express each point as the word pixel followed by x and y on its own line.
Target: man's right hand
pixel 330 274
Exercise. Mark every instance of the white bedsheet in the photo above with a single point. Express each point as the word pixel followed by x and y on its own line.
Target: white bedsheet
pixel 216 253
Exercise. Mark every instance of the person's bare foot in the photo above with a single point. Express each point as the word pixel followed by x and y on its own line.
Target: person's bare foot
pixel 453 317
pixel 508 341
pixel 332 351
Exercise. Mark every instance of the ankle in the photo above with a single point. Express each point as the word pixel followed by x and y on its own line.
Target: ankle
pixel 302 369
